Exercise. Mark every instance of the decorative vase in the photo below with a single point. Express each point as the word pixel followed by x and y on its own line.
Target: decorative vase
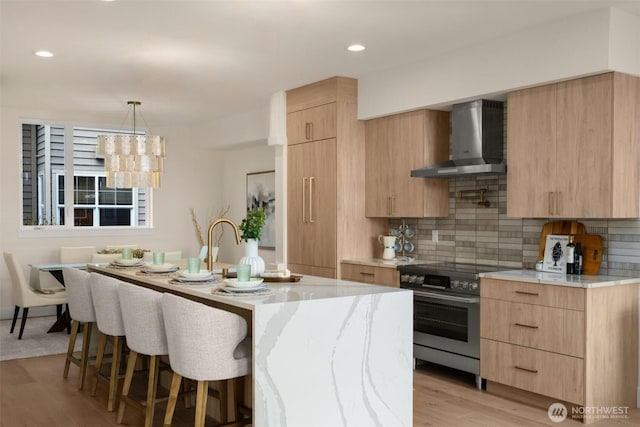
pixel 252 258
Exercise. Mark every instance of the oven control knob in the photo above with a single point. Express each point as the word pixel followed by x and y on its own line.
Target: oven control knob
pixel 465 285
pixel 455 284
pixel 412 279
pixel 404 278
pixel 474 286
pixel 420 280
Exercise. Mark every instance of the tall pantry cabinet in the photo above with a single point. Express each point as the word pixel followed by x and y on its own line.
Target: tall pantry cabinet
pixel 326 179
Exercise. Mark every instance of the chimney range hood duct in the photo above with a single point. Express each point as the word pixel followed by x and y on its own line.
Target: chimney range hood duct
pixel 476 142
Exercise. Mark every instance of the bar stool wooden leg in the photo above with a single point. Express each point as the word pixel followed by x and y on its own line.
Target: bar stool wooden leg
pixel 102 344
pixel 72 343
pixel 152 390
pixel 201 403
pixel 131 364
pixel 84 355
pixel 173 397
pixel 238 397
pixel 115 371
pixel 223 397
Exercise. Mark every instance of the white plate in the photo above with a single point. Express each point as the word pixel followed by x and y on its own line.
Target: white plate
pixel 260 287
pixel 203 273
pixel 252 283
pixel 146 269
pixel 127 262
pixel 162 267
pixel 199 279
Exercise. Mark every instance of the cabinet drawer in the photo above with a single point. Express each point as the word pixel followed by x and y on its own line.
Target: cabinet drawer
pixel 533 293
pixel 545 328
pixel 542 372
pixel 370 274
pixel 313 124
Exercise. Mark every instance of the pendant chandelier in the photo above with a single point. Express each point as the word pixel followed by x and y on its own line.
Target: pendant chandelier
pixel 132 161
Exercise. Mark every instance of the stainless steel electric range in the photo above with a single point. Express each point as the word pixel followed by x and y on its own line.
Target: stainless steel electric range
pixel 446 313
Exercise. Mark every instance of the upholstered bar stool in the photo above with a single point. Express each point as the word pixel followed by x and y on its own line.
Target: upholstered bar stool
pixel 104 293
pixel 144 329
pixel 205 344
pixel 82 314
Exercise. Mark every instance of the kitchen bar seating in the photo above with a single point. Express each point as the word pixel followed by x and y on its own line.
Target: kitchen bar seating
pixel 104 293
pixel 205 344
pixel 144 328
pixel 82 312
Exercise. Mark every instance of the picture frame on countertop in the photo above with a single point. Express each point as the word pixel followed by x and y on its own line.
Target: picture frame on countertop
pixel 555 253
pixel 261 193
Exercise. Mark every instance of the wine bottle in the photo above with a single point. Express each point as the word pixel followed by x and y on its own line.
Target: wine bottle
pixel 571 253
pixel 577 263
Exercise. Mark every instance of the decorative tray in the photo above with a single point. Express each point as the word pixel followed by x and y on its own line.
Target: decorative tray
pixel 291 278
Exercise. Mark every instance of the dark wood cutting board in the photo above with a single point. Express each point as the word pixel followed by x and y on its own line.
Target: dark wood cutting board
pixel 558 227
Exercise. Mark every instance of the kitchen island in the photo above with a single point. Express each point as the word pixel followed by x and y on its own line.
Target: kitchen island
pixel 326 352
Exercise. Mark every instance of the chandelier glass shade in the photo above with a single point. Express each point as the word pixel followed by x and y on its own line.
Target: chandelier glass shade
pixel 132 161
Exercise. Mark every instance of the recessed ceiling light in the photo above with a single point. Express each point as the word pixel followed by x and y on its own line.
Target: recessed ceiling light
pixel 356 48
pixel 43 54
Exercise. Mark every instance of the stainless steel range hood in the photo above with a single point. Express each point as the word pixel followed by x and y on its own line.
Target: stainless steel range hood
pixel 476 142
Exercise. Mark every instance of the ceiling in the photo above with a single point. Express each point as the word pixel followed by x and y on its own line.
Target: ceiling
pixel 194 61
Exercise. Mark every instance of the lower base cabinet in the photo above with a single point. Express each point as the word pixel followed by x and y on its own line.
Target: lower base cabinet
pixel 574 345
pixel 370 274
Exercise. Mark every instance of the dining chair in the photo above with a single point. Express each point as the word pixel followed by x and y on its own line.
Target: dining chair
pixel 206 344
pixel 25 297
pixel 83 314
pixel 106 303
pixel 76 254
pixel 144 329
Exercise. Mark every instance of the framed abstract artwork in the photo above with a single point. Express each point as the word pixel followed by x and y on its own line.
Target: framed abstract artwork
pixel 261 193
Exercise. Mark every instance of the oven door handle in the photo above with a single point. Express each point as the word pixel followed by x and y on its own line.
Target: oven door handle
pixel 469 300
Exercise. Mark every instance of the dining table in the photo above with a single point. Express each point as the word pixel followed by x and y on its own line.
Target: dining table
pixel 324 351
pixel 63 318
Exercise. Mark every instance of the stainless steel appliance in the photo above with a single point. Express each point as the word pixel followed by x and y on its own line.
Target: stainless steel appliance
pixel 446 314
pixel 477 140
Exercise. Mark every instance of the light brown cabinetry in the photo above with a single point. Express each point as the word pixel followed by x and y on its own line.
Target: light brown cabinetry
pixel 371 274
pixel 325 179
pixel 573 149
pixel 571 344
pixel 394 146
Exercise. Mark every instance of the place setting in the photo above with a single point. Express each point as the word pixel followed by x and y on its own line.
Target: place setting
pixel 193 275
pixel 158 266
pixel 243 284
pixel 126 260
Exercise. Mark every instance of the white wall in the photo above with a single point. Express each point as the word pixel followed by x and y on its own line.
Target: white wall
pixel 607 39
pixel 236 164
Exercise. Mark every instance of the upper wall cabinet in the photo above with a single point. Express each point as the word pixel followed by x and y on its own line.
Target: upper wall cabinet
pixel 574 149
pixel 394 146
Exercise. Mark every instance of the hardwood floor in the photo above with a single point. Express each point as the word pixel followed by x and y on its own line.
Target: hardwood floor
pixel 33 393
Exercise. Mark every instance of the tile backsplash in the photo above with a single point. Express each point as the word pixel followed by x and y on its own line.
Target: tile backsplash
pixel 485 235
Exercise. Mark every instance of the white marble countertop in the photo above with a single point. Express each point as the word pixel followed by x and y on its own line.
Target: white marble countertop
pixel 582 281
pixel 307 289
pixel 387 263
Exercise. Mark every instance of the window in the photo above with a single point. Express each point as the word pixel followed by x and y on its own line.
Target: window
pixel 49 161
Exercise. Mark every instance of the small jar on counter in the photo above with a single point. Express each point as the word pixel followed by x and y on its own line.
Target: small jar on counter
pixel 539 265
